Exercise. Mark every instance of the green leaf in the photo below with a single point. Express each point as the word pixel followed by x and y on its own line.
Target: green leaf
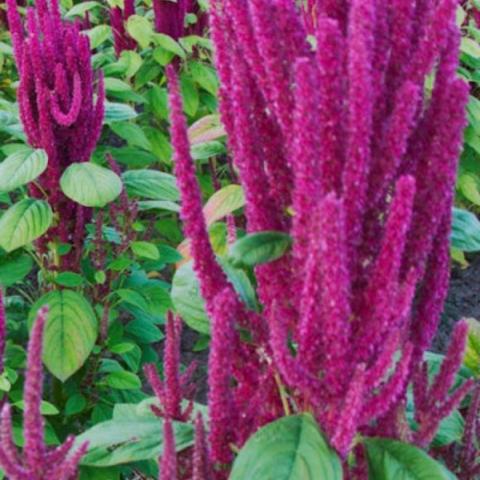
pixel 202 151
pixel 75 404
pixel 450 430
pixel 470 47
pixel 90 185
pixel 191 99
pixel 80 9
pixel 205 76
pixel 140 29
pixel 132 297
pixel 223 202
pixel 70 332
pixel 291 448
pixel 144 331
pixel 472 352
pixel 24 222
pixel 46 408
pixel 123 380
pixel 257 248
pixel 190 305
pixel 151 184
pixel 118 112
pixel 122 441
pixel 21 168
pixel 132 60
pixel 14 267
pixel 69 279
pixel 98 35
pixel 145 250
pixel 115 85
pixel 465 231
pixel 132 134
pixel 392 460
pixel 469 185
pixel 169 44
pixel 158 205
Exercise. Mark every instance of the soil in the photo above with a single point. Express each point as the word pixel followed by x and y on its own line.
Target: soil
pixel 463 301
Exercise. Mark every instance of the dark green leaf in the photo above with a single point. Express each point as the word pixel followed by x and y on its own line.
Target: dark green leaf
pixel 257 248
pixel 465 231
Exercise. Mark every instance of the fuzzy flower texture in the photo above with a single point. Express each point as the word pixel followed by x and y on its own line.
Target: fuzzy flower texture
pixel 57 106
pixel 339 128
pixel 38 462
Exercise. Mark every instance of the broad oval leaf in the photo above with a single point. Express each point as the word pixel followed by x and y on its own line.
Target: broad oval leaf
pixel 140 29
pixel 90 185
pixel 465 231
pixel 121 441
pixel 118 112
pixel 70 331
pixel 391 460
pixel 21 168
pixel 257 248
pixel 190 305
pixel 151 184
pixel 24 222
pixel 291 448
pixel 223 202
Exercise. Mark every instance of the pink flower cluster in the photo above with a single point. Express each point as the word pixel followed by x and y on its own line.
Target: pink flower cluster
pixel 57 103
pixel 38 462
pixel 170 17
pixel 340 129
pixel 118 16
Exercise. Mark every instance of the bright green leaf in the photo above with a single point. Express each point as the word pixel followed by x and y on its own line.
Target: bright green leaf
pixel 145 250
pixel 140 29
pixel 90 185
pixel 21 168
pixel 69 279
pixel 123 380
pixel 24 222
pixel 70 332
pixel 151 184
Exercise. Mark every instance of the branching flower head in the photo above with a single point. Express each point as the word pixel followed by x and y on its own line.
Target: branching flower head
pixel 342 134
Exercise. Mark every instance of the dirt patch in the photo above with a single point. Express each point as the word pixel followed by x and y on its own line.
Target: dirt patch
pixel 463 301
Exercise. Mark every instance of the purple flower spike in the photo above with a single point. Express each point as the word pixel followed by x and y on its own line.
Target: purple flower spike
pixel 337 145
pixel 37 461
pixel 168 461
pixel 56 97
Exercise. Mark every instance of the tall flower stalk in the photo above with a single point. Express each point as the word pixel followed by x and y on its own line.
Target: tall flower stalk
pixel 37 462
pixel 342 131
pixel 58 109
pixel 118 16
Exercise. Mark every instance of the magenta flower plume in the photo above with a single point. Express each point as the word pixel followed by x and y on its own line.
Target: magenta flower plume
pixel 3 330
pixel 434 402
pixel 56 97
pixel 37 462
pixel 170 17
pixel 336 145
pixel 201 459
pixel 168 461
pixel 175 387
pixel 118 16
